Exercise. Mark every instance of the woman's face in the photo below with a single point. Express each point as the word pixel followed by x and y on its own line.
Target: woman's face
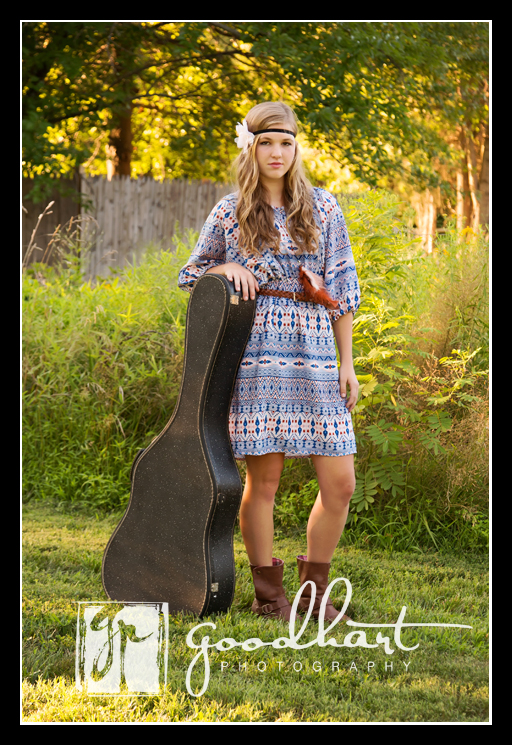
pixel 275 152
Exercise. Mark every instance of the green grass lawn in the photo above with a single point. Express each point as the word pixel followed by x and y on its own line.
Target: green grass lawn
pixel 444 680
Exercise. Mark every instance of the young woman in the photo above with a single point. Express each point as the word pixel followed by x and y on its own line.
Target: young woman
pixel 273 237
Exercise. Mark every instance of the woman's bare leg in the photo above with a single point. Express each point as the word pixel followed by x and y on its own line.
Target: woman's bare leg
pixel 257 508
pixel 336 479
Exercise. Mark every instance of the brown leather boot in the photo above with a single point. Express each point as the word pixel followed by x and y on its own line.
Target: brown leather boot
pixel 270 600
pixel 319 574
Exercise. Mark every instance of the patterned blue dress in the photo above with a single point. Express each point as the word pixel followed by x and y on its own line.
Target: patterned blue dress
pixel 286 397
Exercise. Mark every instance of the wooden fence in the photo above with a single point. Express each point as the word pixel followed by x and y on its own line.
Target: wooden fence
pixel 135 213
pixel 124 217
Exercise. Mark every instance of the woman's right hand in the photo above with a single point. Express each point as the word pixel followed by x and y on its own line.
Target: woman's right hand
pixel 243 278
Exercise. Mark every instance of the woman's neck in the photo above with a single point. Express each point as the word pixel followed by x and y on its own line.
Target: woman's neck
pixel 275 189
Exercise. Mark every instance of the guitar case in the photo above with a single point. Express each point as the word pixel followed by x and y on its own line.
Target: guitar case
pixel 174 543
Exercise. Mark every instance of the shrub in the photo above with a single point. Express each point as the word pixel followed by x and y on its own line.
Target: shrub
pixel 420 344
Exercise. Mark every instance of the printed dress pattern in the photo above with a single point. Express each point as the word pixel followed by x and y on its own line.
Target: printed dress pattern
pixel 286 397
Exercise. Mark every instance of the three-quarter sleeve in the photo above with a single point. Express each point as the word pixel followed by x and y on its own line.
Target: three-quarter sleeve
pixel 340 275
pixel 210 251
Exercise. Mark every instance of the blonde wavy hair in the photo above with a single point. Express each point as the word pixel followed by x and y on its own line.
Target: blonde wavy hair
pixel 254 212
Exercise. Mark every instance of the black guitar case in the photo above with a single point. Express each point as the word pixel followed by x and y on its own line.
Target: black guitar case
pixel 175 541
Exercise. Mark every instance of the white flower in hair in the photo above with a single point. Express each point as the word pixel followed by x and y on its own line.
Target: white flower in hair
pixel 245 138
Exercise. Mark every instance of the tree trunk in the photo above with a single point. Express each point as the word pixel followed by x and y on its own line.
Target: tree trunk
pixel 473 181
pixel 484 182
pixel 476 178
pixel 460 210
pixel 430 220
pixel 120 146
pixel 426 218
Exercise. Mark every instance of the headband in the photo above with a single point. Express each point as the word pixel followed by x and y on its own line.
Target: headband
pixel 246 138
pixel 284 131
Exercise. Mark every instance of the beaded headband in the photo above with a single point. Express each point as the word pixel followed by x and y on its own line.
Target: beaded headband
pixel 246 138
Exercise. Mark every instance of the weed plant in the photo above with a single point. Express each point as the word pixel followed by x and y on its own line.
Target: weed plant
pixel 102 365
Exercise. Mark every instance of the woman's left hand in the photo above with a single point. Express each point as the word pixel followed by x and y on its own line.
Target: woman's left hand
pixel 349 380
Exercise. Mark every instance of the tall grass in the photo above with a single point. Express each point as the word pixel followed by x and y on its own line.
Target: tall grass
pixel 101 373
pixel 102 368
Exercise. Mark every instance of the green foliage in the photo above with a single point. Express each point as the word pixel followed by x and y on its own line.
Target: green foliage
pixel 379 97
pixel 101 374
pixel 102 369
pixel 405 418
pixel 179 84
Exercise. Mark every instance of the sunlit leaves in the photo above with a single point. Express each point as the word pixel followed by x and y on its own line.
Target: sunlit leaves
pixel 378 97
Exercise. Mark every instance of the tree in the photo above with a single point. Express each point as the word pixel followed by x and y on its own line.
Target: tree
pixel 399 103
pixel 89 84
